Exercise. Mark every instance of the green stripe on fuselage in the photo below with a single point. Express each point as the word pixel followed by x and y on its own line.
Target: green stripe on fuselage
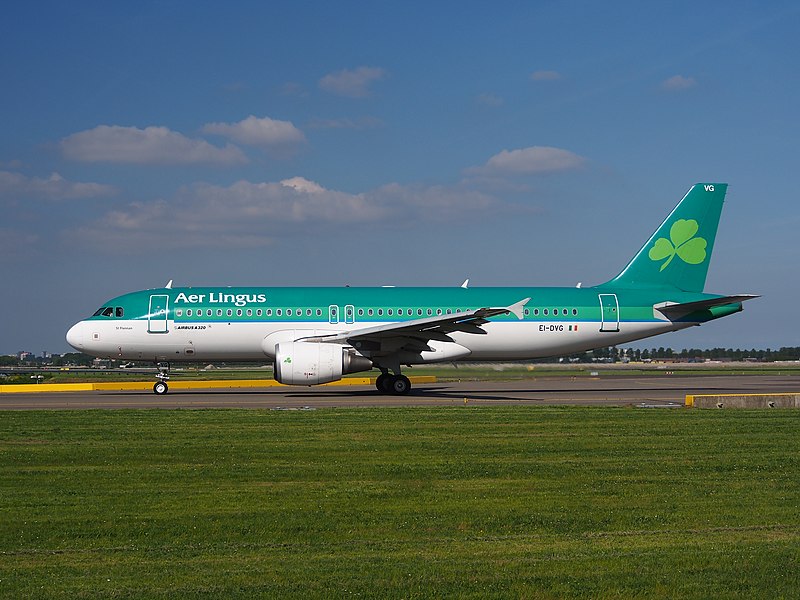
pixel 546 304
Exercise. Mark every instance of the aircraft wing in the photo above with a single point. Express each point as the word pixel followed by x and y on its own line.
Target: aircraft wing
pixel 673 311
pixel 414 334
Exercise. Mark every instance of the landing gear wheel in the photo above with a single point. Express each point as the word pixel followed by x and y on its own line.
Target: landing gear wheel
pixel 160 388
pixel 401 385
pixel 383 383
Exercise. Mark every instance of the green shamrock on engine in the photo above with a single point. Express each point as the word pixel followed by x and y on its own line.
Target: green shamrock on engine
pixel 690 249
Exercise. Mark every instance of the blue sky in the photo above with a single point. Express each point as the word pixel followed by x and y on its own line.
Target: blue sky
pixel 286 143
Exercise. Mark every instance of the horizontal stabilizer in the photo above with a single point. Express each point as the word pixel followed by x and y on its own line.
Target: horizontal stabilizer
pixel 674 311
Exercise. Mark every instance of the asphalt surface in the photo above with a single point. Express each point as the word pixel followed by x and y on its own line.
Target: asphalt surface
pixel 656 391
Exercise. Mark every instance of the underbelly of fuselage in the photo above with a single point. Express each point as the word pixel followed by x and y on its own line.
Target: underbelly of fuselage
pixel 245 341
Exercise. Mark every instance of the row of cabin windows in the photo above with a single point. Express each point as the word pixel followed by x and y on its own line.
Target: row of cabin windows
pixel 546 312
pixel 109 311
pixel 259 312
pixel 408 311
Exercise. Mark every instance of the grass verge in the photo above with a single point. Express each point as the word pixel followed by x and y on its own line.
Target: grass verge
pixel 424 502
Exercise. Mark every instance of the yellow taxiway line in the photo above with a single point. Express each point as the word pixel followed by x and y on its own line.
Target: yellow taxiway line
pixel 179 385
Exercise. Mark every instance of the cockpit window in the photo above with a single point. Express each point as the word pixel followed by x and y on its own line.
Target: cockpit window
pixel 108 311
pixel 119 312
pixel 99 311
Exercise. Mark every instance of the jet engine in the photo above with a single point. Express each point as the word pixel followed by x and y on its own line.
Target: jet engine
pixel 310 363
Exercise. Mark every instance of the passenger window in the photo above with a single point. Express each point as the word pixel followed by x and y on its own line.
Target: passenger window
pixel 209 312
pixel 544 312
pixel 565 311
pixel 574 311
pixel 535 312
pixel 380 312
pixel 219 312
pixel 370 312
pixel 449 311
pixel 430 312
pixel 249 312
pixel 230 312
pixel 269 312
pixel 438 311
pixel 360 312
pixel 527 312
pixel 308 312
pixel 319 312
pixel 419 312
pixel 389 312
pixel 278 312
pixel 179 312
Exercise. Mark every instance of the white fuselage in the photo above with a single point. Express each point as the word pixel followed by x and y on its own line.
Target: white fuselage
pixel 241 341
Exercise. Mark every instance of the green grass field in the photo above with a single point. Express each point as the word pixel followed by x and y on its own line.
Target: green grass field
pixel 499 502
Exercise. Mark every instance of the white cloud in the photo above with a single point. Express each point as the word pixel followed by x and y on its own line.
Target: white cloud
pixel 438 202
pixel 292 88
pixel 301 184
pixel 248 214
pixel 16 243
pixel 545 76
pixel 151 145
pixel 254 131
pixel 351 83
pixel 54 187
pixel 490 100
pixel 346 123
pixel 677 83
pixel 528 161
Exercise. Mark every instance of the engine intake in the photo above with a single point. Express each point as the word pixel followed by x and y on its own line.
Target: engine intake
pixel 311 363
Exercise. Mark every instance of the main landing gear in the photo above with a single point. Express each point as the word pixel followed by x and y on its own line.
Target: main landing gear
pixel 161 386
pixel 399 385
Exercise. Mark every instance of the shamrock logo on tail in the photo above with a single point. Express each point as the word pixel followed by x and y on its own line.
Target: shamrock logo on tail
pixel 682 242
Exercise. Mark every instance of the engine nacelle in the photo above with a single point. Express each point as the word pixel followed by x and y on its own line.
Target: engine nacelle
pixel 310 363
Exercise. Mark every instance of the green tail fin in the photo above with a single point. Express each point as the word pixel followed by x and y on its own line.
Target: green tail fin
pixel 678 253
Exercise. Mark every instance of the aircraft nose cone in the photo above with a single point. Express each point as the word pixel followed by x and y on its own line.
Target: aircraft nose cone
pixel 75 336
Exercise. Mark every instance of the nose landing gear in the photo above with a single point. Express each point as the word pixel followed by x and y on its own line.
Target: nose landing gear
pixel 161 387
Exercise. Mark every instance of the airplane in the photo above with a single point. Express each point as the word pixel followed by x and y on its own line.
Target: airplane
pixel 317 335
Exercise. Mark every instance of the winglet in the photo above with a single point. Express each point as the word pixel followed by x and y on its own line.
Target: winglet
pixel 169 285
pixel 517 308
pixel 465 285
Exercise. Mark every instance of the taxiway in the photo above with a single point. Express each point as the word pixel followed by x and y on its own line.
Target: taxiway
pixel 661 390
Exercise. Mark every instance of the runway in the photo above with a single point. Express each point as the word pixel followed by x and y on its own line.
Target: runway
pixel 657 390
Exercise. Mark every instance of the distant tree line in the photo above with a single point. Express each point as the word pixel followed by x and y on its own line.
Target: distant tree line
pixel 609 354
pixel 70 359
pixel 614 354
